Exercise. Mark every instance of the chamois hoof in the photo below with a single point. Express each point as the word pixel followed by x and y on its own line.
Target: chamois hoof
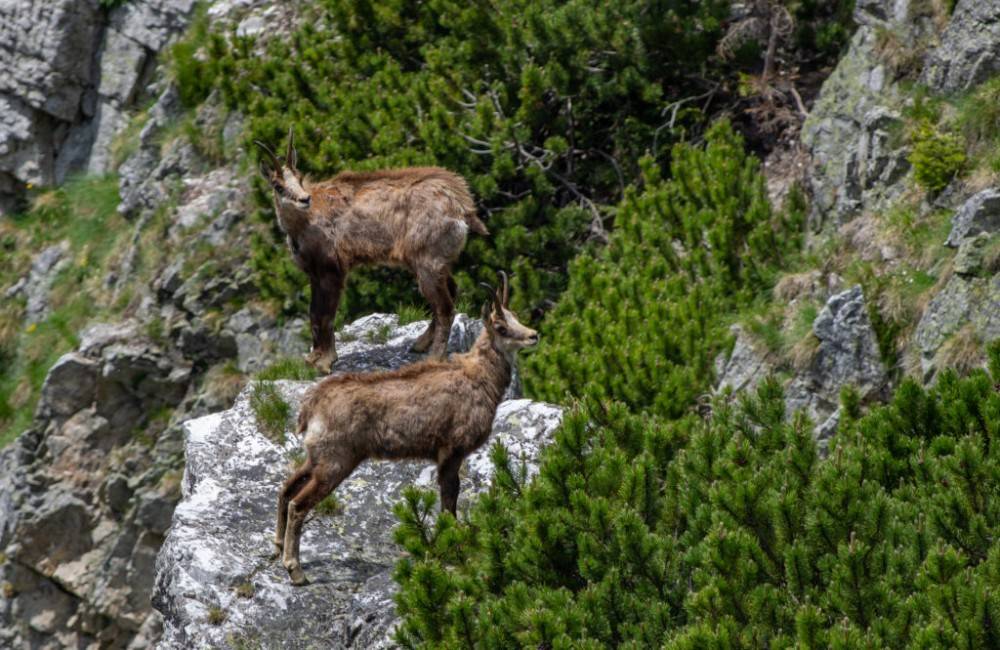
pixel 298 577
pixel 279 549
pixel 322 361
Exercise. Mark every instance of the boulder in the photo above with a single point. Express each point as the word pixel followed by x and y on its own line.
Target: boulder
pixel 215 582
pixel 745 367
pixel 979 214
pixel 964 301
pixel 847 355
pixel 969 49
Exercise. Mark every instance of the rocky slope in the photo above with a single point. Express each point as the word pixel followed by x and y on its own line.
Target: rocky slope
pixel 87 494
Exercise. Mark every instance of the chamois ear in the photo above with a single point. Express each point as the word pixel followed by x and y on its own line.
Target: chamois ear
pixel 291 156
pixel 486 316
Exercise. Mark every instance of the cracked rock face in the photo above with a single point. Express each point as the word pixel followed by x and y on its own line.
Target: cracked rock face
pixel 963 302
pixel 72 69
pixel 855 164
pixel 847 355
pixel 83 496
pixel 969 52
pixel 216 559
pixel 980 214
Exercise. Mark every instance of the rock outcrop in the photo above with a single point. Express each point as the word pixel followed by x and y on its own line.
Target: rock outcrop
pixel 216 584
pixel 969 52
pixel 86 496
pixel 72 69
pixel 847 355
pixel 855 161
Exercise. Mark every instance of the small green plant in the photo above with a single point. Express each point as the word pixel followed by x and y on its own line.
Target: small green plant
pixel 411 314
pixel 379 335
pixel 216 616
pixel 936 157
pixel 271 410
pixel 245 589
pixel 287 368
pixel 329 506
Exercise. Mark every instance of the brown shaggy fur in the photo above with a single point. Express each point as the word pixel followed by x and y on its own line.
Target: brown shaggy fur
pixel 415 218
pixel 440 411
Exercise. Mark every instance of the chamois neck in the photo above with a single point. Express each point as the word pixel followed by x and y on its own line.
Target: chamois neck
pixel 497 365
pixel 291 219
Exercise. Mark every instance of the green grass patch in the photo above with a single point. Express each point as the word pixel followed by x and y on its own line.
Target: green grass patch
pixel 329 506
pixel 287 368
pixel 411 313
pixel 272 411
pixel 82 214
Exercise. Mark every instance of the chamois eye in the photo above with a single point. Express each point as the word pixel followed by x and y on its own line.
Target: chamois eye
pixel 500 328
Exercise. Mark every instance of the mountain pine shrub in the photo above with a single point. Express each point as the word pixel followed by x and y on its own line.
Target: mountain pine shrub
pixel 937 157
pixel 727 532
pixel 642 320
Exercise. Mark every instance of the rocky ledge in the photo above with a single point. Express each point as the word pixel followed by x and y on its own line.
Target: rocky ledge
pixel 216 584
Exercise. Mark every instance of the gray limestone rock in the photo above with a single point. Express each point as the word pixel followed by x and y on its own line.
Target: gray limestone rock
pixel 217 551
pixel 745 367
pixel 979 214
pixel 969 51
pixel 856 163
pixel 971 255
pixel 72 70
pixel 36 285
pixel 964 301
pixel 847 355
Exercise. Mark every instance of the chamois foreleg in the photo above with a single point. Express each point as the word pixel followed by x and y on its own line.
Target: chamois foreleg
pixel 326 290
pixel 433 285
pixel 287 492
pixel 323 480
pixel 448 481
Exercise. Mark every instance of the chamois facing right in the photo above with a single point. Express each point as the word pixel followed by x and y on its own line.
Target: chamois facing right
pixel 440 411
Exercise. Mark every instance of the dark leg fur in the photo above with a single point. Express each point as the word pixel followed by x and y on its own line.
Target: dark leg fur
pixel 448 482
pixel 287 492
pixel 326 290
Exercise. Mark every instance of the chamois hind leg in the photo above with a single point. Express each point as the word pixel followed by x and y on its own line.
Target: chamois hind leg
pixel 434 286
pixel 323 481
pixel 448 481
pixel 285 494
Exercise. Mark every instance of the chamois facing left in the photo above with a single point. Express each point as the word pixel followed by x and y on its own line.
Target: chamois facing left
pixel 440 411
pixel 415 218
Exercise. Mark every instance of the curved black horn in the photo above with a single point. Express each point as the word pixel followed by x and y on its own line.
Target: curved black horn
pixel 290 152
pixel 504 288
pixel 270 154
pixel 494 297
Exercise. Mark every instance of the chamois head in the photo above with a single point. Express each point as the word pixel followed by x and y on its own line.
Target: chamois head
pixel 502 326
pixel 284 177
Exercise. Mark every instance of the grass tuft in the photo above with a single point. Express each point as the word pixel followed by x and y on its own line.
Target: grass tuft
pixel 272 411
pixel 287 368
